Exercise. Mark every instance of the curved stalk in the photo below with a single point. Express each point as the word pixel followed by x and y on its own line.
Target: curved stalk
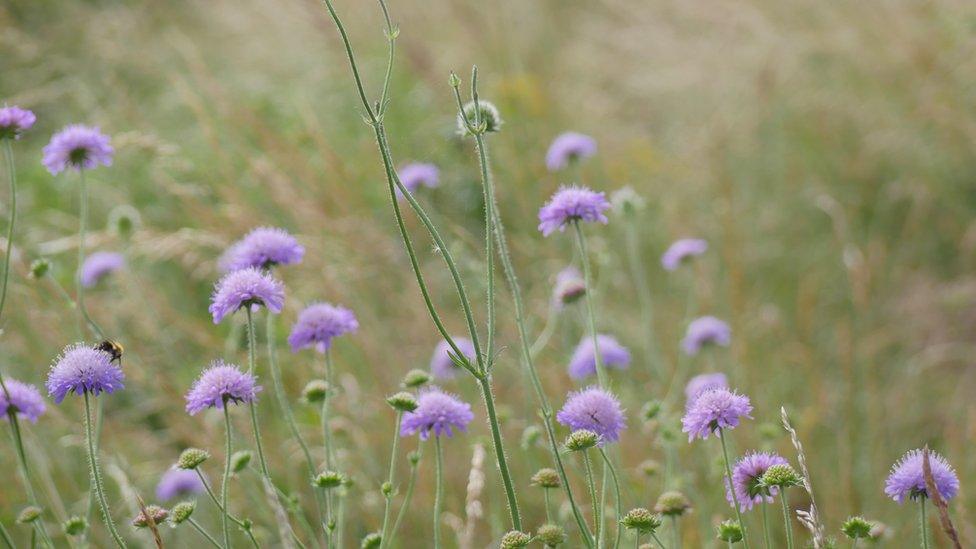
pixel 601 371
pixel 18 441
pixel 12 173
pixel 407 496
pixel 96 474
pixel 196 526
pixel 591 485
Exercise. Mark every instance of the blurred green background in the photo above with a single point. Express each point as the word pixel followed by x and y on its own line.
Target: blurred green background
pixel 825 150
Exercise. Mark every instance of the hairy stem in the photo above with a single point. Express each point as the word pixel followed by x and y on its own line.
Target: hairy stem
pixel 327 442
pixel 82 233
pixel 96 474
pixel 616 493
pixel 438 490
pixel 735 499
pixel 18 441
pixel 12 172
pixel 923 523
pixel 765 522
pixel 196 526
pixel 591 485
pixel 786 518
pixel 407 497
pixel 225 482
pixel 390 478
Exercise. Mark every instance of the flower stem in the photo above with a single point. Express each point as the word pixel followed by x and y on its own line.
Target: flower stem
pixel 616 493
pixel 406 496
pixel 601 371
pixel 591 485
pixel 675 533
pixel 5 536
pixel 82 232
pixel 438 490
pixel 658 541
pixel 12 172
pixel 545 494
pixel 786 519
pixel 390 479
pixel 18 441
pixel 735 499
pixel 327 442
pixel 225 482
pixel 196 526
pixel 96 474
pixel 497 445
pixel 765 521
pixel 923 525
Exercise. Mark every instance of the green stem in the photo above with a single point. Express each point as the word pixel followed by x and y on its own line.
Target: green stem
pixel 5 536
pixel 735 499
pixel 18 441
pixel 675 533
pixel 390 479
pixel 438 490
pixel 82 233
pixel 327 442
pixel 545 494
pixel 588 297
pixel 853 543
pixel 225 482
pixel 591 485
pixel 658 541
pixel 639 274
pixel 616 493
pixel 765 521
pixel 786 519
pixel 196 526
pixel 497 445
pixel 96 474
pixel 923 523
pixel 407 497
pixel 12 172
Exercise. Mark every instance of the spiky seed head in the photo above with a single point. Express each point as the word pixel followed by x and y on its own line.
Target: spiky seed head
pixel 546 478
pixel 651 410
pixel 181 511
pixel 39 268
pixel 74 526
pixel 729 531
pixel 551 535
pixel 402 402
pixel 641 520
pixel 531 436
pixel 315 391
pixel 371 541
pixel 239 460
pixel 856 528
pixel 191 458
pixel 781 476
pixel 329 480
pixel 29 514
pixel 515 539
pixel 415 378
pixel 649 467
pixel 155 513
pixel 487 115
pixel 672 503
pixel 581 440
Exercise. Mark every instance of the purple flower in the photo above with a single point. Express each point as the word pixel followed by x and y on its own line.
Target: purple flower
pixel 81 369
pixel 177 483
pixel 583 362
pixel 219 382
pixel 99 265
pixel 14 121
pixel 318 324
pixel 682 250
pixel 569 287
pixel 746 475
pixel 593 409
pixel 246 288
pixel 701 383
pixel 79 147
pixel 907 480
pixel 571 204
pixel 436 411
pixel 703 331
pixel 567 148
pixel 714 409
pixel 441 365
pixel 26 399
pixel 262 248
pixel 416 174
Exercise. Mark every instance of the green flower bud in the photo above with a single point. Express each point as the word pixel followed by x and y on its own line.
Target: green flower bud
pixel 487 115
pixel 453 80
pixel 649 467
pixel 780 476
pixel 153 513
pixel 531 436
pixel 74 526
pixel 581 440
pixel 403 402
pixel 181 511
pixel 514 540
pixel 329 480
pixel 387 489
pixel 191 458
pixel 239 460
pixel 315 391
pixel 371 541
pixel 651 410
pixel 856 528
pixel 546 478
pixel 642 520
pixel 415 378
pixel 551 535
pixel 124 220
pixel 672 503
pixel 413 458
pixel 39 268
pixel 729 531
pixel 29 514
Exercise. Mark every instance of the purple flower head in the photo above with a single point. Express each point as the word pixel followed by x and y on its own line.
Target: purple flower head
pixel 99 265
pixel 416 174
pixel 318 324
pixel 246 288
pixel 701 383
pixel 571 204
pixel 712 410
pixel 583 362
pixel 569 147
pixel 219 382
pixel 26 399
pixel 703 331
pixel 593 409
pixel 15 121
pixel 177 483
pixel 907 479
pixel 441 365
pixel 569 287
pixel 682 250
pixel 81 369
pixel 262 248
pixel 746 475
pixel 79 147
pixel 436 411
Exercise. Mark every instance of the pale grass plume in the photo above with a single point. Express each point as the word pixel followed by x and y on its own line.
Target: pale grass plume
pixel 810 518
pixel 473 509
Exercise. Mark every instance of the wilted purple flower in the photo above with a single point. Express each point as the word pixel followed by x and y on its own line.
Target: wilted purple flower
pixel 178 483
pixel 416 174
pixel 441 365
pixel 703 331
pixel 15 121
pixel 219 382
pixel 569 286
pixel 746 475
pixel 682 250
pixel 246 288
pixel 79 147
pixel 262 248
pixel 436 411
pixel 571 204
pixel 583 362
pixel 26 399
pixel 569 147
pixel 907 479
pixel 712 410
pixel 81 369
pixel 99 265
pixel 318 324
pixel 701 383
pixel 593 409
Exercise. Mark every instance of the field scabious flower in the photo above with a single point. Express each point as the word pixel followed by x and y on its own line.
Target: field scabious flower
pixel 78 147
pixel 703 382
pixel 318 324
pixel 14 121
pixel 706 330
pixel 441 365
pixel 682 250
pixel 25 400
pixel 746 476
pixel 415 174
pixel 436 411
pixel 570 204
pixel 178 483
pixel 262 248
pixel 906 479
pixel 714 409
pixel 220 382
pixel 246 288
pixel 81 369
pixel 583 362
pixel 567 148
pixel 99 265
pixel 596 410
pixel 569 287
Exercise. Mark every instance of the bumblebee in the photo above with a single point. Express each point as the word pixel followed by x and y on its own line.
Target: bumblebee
pixel 113 348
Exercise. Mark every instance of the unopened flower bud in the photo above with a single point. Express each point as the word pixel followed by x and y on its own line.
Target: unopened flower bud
pixel 672 503
pixel 780 476
pixel 239 460
pixel 191 458
pixel 551 535
pixel 402 402
pixel 74 526
pixel 152 514
pixel 546 478
pixel 387 489
pixel 729 531
pixel 651 410
pixel 329 480
pixel 413 458
pixel 181 511
pixel 487 115
pixel 371 541
pixel 514 540
pixel 415 378
pixel 39 268
pixel 123 220
pixel 315 391
pixel 29 514
pixel 856 528
pixel 641 520
pixel 649 467
pixel 581 440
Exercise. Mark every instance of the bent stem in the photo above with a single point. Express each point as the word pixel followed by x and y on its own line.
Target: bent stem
pixel 786 518
pixel 735 499
pixel 616 493
pixel 225 481
pixel 390 479
pixel 407 496
pixel 96 474
pixel 438 490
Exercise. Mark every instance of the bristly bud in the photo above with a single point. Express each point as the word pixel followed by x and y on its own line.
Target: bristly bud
pixel 729 531
pixel 651 410
pixel 649 467
pixel 74 526
pixel 315 391
pixel 856 528
pixel 514 540
pixel 780 476
pixel 491 120
pixel 371 541
pixel 329 480
pixel 123 220
pixel 546 478
pixel 642 520
pixel 191 458
pixel 581 440
pixel 387 489
pixel 672 503
pixel 551 535
pixel 415 378
pixel 402 402
pixel 157 514
pixel 453 80
pixel 530 436
pixel 413 458
pixel 240 460
pixel 181 511
pixel 29 514
pixel 39 268
pixel 626 201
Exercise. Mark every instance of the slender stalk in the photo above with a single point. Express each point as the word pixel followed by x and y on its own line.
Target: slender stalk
pixel 853 543
pixel 330 520
pixel 438 490
pixel 786 519
pixel 407 497
pixel 765 521
pixel 225 482
pixel 639 274
pixel 675 533
pixel 545 494
pixel 735 499
pixel 96 474
pixel 390 479
pixel 496 442
pixel 196 526
pixel 601 371
pixel 82 233
pixel 18 441
pixel 12 172
pixel 616 493
pixel 637 539
pixel 923 523
pixel 658 541
pixel 5 536
pixel 591 485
